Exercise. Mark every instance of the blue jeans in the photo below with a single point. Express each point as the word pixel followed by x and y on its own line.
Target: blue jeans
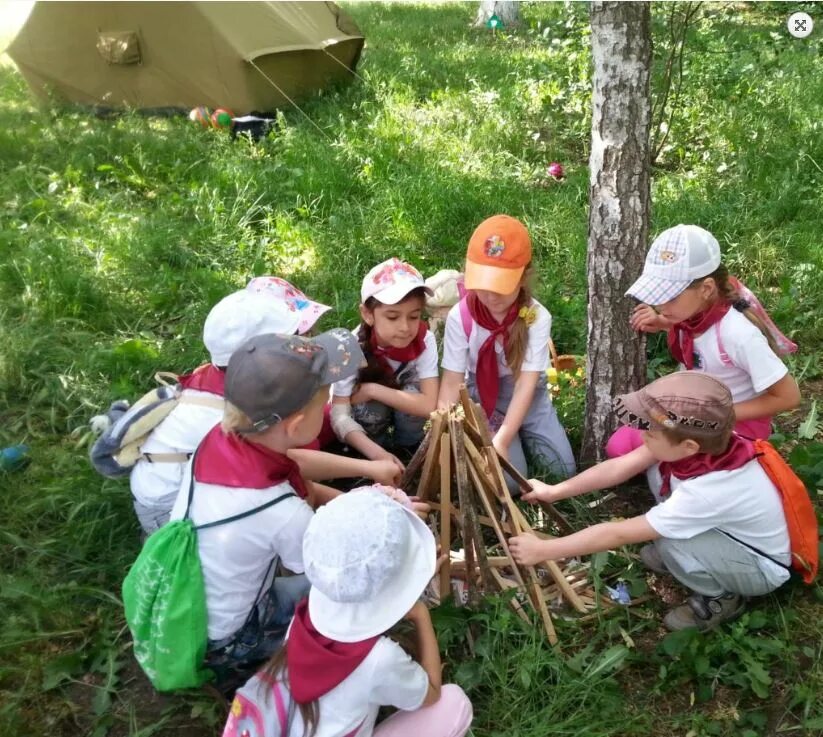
pixel 262 634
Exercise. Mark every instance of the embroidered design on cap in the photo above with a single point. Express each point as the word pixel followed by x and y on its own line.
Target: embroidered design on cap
pixel 494 246
pixel 668 257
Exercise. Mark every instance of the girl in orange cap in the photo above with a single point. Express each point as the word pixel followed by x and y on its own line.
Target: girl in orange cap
pixel 497 340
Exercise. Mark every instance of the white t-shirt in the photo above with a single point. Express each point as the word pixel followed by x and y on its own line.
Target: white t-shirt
pixel 235 556
pixel 386 677
pixel 422 367
pixel 742 502
pixel 180 432
pixel 756 366
pixel 460 353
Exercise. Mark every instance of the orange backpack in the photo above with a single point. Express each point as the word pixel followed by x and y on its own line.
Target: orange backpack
pixel 797 507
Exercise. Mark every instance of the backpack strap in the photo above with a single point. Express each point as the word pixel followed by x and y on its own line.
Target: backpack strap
pixel 465 317
pixel 215 402
pixel 755 550
pixel 721 349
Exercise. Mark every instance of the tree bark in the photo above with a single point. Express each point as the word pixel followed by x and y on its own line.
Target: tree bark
pixel 507 11
pixel 618 209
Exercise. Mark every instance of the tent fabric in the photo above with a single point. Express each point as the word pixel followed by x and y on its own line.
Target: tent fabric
pixel 150 55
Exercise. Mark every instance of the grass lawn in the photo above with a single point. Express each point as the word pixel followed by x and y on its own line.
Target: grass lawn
pixel 116 237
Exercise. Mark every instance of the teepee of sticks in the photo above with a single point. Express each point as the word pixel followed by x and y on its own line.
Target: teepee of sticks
pixel 457 455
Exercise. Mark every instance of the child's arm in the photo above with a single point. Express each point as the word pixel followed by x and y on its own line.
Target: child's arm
pixel 781 396
pixel 412 403
pixel 317 465
pixel 527 549
pixel 350 432
pixel 522 397
pixel 647 320
pixel 427 648
pixel 449 388
pixel 608 473
pixel 320 494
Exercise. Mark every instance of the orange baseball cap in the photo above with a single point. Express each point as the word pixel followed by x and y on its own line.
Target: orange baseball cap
pixel 499 251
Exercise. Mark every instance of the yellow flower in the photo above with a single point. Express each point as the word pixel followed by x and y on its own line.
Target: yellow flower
pixel 528 315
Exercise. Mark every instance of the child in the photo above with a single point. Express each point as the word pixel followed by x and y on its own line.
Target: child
pixel 234 319
pixel 711 329
pixel 499 334
pixel 398 387
pixel 276 388
pixel 719 526
pixel 369 559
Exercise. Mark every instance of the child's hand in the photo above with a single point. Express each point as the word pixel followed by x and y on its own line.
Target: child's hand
pixel 541 492
pixel 645 319
pixel 501 445
pixel 384 455
pixel 421 509
pixel 364 393
pixel 385 471
pixel 527 549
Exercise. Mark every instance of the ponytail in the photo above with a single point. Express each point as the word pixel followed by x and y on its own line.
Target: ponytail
pixel 518 340
pixel 373 371
pixel 728 293
pixel 310 712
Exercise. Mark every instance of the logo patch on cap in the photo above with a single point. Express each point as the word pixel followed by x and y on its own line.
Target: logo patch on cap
pixel 668 257
pixel 494 246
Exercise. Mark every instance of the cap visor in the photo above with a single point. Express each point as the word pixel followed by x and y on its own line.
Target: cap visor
pixel 630 411
pixel 315 312
pixel 652 290
pixel 492 278
pixel 352 622
pixel 398 292
pixel 344 354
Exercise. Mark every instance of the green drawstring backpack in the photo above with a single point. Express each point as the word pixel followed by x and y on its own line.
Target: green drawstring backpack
pixel 165 602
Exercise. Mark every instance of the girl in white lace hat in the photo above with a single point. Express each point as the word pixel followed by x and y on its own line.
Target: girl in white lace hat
pixel 368 558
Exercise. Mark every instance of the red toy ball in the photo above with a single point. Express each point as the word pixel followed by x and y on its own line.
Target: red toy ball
pixel 202 115
pixel 222 118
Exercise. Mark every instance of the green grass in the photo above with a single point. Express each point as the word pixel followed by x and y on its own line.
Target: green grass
pixel 116 236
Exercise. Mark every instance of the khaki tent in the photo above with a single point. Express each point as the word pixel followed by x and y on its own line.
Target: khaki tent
pixel 152 55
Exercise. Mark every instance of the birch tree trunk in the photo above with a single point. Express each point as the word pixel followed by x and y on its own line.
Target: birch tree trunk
pixel 507 11
pixel 618 209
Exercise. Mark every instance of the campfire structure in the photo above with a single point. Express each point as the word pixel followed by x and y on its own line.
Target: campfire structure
pixel 457 453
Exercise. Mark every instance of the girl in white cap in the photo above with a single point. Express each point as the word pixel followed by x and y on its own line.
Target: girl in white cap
pixel 398 389
pixel 714 325
pixel 368 559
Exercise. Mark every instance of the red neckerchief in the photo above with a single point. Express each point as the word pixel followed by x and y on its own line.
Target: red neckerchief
pixel 316 664
pixel 206 378
pixel 226 459
pixel 739 453
pixel 681 336
pixel 486 372
pixel 403 355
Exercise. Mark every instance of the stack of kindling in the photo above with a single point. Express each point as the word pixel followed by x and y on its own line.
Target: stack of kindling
pixel 460 474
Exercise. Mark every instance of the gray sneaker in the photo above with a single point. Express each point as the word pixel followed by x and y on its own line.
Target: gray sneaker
pixel 651 558
pixel 705 612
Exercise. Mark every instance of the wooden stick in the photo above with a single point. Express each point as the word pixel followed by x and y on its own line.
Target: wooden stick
pixel 515 604
pixel 553 568
pixel 445 516
pixel 416 462
pixel 468 408
pixel 471 532
pixel 433 454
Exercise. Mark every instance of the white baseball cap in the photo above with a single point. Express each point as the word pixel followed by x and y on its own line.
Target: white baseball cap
pixel 243 315
pixel 368 559
pixel 308 310
pixel 391 281
pixel 677 257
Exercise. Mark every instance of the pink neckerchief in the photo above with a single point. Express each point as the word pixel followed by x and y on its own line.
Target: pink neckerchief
pixel 317 664
pixel 487 373
pixel 739 453
pixel 226 459
pixel 206 378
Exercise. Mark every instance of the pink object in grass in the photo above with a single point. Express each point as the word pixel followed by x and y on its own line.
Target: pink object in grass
pixel 555 170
